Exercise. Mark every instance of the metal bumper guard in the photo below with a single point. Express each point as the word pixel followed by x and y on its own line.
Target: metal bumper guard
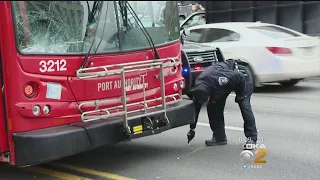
pixel 112 125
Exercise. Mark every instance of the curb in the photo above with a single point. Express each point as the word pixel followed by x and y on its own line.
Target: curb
pixel 314 79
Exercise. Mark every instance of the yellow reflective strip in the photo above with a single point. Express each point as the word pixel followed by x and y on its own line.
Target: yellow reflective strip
pixel 137 128
pixel 61 175
pixel 139 132
pixel 93 172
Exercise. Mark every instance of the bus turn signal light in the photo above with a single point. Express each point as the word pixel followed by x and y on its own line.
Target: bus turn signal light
pixel 29 90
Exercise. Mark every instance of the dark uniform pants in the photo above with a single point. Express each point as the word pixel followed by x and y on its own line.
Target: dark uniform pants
pixel 249 125
pixel 216 117
pixel 215 110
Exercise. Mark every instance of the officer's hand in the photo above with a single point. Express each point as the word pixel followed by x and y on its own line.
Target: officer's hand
pixel 190 95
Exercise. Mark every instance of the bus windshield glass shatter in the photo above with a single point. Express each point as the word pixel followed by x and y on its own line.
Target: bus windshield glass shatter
pixel 71 27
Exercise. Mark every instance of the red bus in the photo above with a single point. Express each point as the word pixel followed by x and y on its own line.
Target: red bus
pixel 77 75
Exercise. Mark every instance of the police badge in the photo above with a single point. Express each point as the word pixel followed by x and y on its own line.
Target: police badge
pixel 223 81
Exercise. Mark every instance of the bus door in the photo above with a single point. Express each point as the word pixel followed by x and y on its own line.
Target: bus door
pixel 4 146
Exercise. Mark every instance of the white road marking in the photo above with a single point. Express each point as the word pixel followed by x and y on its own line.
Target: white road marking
pixel 234 95
pixel 196 150
pixel 226 127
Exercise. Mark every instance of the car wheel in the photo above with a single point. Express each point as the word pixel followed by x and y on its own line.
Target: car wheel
pixel 290 82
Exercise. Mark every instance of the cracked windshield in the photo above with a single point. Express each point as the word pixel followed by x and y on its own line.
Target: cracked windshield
pixel 62 27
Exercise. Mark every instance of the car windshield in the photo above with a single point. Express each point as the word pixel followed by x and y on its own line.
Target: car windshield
pixel 70 27
pixel 274 32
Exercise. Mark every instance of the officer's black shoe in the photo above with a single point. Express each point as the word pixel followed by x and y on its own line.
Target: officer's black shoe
pixel 215 142
pixel 190 135
pixel 250 144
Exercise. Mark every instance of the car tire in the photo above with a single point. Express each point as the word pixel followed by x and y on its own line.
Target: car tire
pixel 290 83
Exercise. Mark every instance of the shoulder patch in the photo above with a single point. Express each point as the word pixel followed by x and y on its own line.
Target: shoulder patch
pixel 223 81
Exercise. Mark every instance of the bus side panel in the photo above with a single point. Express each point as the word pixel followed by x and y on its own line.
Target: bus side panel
pixel 4 146
pixel 9 64
pixel 3 134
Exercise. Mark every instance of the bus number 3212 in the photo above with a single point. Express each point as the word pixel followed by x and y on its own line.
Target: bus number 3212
pixel 51 66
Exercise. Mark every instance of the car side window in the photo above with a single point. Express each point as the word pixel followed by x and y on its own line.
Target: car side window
pixel 221 35
pixel 198 19
pixel 195 35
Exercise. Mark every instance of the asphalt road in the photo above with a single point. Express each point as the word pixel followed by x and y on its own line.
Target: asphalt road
pixel 288 120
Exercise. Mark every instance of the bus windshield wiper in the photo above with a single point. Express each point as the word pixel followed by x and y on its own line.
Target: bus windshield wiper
pixel 145 32
pixel 104 27
pixel 90 18
pixel 96 5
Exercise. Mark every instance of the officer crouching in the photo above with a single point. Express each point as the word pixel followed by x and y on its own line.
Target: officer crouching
pixel 213 86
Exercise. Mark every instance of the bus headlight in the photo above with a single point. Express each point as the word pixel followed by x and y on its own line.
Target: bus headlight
pixel 175 86
pixel 36 110
pixel 46 109
pixel 182 84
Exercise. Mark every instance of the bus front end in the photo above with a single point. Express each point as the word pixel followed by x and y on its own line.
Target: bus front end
pixel 79 75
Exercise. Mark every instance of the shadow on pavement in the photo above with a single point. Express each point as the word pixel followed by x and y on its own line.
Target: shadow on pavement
pixel 121 155
pixel 8 172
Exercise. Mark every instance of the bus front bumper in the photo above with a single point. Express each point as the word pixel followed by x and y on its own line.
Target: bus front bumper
pixel 40 146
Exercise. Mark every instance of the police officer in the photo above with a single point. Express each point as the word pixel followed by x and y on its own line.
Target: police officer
pixel 217 82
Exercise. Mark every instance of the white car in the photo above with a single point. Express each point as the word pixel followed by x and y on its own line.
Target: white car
pixel 273 53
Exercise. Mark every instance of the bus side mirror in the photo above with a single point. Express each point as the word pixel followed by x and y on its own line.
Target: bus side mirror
pixel 182 39
pixel 186 32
